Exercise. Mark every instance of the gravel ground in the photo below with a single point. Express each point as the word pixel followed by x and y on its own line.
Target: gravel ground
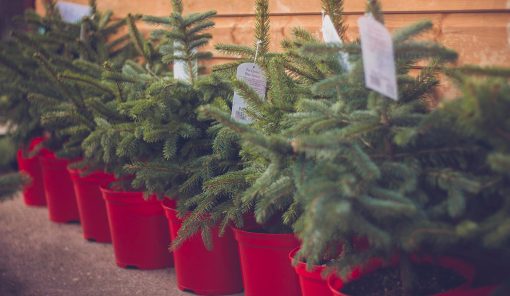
pixel 39 258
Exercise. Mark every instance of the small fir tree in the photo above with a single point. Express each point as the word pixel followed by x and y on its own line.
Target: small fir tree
pixel 66 62
pixel 20 74
pixel 358 165
pixel 80 93
pixel 239 188
pixel 348 157
pixel 158 136
pixel 113 141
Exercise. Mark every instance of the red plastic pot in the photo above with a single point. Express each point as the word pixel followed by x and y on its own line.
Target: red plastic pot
pixel 312 283
pixel 91 204
pixel 203 272
pixel 59 189
pixel 139 230
pixel 265 263
pixel 33 194
pixel 462 268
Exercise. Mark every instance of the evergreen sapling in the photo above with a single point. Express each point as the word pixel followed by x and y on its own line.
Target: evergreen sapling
pixel 245 184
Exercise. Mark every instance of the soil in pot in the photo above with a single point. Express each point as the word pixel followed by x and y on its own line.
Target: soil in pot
pixel 430 280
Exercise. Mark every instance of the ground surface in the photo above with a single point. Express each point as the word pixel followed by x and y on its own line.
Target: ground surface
pixel 38 257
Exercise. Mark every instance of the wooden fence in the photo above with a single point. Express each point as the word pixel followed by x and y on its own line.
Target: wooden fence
pixel 478 29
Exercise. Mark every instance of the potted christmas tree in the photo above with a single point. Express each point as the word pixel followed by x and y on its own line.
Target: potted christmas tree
pixel 364 169
pixel 47 38
pixel 138 227
pixel 258 183
pixel 311 278
pixel 19 74
pixel 69 115
pixel 70 118
pixel 166 119
pixel 324 173
pixel 230 195
pixel 58 188
pixel 88 176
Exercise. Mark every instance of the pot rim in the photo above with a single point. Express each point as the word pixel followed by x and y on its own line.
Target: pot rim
pixel 265 240
pixel 301 267
pixel 126 197
pixel 97 174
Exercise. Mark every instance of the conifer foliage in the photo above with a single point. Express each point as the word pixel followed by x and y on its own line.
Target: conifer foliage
pixel 79 92
pixel 11 184
pixel 323 156
pixel 158 137
pixel 222 199
pixel 339 166
pixel 259 178
pixel 477 195
pixel 10 181
pixel 66 64
pixel 20 74
pixel 21 77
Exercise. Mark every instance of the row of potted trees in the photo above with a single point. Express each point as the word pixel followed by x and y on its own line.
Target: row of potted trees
pixel 327 187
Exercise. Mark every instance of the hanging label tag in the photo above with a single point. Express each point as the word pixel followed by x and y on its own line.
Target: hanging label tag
pixel 180 70
pixel 330 35
pixel 255 77
pixel 378 57
pixel 73 12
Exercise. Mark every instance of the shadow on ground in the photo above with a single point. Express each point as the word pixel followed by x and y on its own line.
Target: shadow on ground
pixel 9 285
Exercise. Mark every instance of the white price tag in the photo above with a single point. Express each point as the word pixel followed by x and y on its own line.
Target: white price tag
pixel 181 71
pixel 330 35
pixel 73 12
pixel 3 130
pixel 378 57
pixel 255 77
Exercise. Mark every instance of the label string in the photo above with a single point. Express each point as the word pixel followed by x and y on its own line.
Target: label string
pixel 257 51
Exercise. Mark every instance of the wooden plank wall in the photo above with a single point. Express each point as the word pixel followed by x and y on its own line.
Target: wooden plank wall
pixel 478 29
